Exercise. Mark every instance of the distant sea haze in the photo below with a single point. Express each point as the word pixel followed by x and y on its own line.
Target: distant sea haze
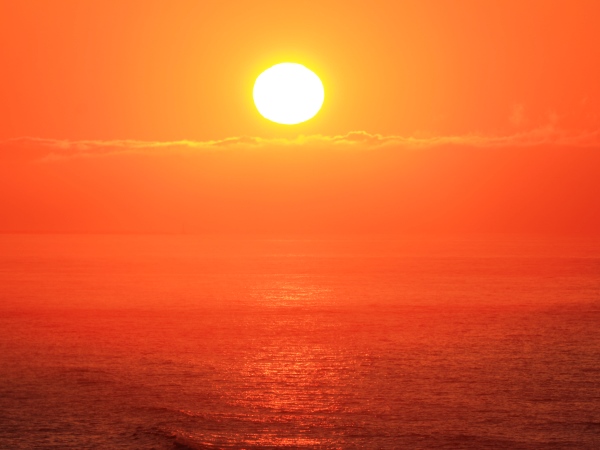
pixel 417 342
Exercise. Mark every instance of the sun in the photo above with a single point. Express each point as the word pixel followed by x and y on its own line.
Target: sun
pixel 288 93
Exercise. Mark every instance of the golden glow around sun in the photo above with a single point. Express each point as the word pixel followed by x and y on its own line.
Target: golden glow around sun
pixel 288 93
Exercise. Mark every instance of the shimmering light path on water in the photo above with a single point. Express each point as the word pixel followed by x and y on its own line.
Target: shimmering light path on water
pixel 164 342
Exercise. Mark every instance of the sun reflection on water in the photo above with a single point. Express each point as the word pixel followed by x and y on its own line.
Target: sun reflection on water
pixel 291 385
pixel 290 293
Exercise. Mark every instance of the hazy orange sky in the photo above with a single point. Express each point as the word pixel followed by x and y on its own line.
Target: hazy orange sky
pixel 440 116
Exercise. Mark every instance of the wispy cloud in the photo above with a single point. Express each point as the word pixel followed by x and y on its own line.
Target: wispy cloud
pixel 49 149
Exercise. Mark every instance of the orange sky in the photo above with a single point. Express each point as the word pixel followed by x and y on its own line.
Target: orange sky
pixel 458 116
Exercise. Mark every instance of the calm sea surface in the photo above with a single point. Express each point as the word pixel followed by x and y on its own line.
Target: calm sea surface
pixel 196 342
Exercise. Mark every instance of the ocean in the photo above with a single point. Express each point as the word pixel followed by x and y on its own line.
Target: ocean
pixel 375 342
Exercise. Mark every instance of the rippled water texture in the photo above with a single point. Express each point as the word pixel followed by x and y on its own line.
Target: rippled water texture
pixel 188 342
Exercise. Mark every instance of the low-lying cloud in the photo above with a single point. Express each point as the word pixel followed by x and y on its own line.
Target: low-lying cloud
pixel 51 149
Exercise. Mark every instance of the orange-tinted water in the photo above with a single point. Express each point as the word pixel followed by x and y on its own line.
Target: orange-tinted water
pixel 200 342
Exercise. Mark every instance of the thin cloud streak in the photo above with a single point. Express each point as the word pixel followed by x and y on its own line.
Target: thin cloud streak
pixel 62 148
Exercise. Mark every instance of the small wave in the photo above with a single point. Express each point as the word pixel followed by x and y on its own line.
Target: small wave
pixel 181 440
pixel 185 442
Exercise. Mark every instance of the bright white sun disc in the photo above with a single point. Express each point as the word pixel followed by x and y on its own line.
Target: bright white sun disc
pixel 288 93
